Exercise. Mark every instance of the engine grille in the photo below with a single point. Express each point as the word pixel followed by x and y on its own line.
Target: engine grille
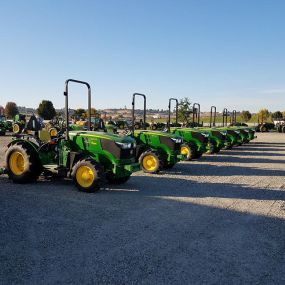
pixel 118 152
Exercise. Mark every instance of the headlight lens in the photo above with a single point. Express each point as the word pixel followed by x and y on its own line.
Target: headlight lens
pixel 224 133
pixel 124 145
pixel 177 140
pixel 206 135
pixel 237 132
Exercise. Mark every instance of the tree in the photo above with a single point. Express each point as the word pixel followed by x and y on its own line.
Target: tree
pixel 277 115
pixel 11 110
pixel 184 110
pixel 263 115
pixel 93 112
pixel 81 113
pixel 245 116
pixel 46 110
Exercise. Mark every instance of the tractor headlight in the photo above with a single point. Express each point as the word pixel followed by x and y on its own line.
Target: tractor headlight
pixel 124 145
pixel 177 140
pixel 224 133
pixel 237 132
pixel 206 135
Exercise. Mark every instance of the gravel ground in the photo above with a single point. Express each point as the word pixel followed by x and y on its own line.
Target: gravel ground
pixel 217 220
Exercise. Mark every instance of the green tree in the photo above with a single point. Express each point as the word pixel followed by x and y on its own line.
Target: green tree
pixel 80 113
pixel 263 115
pixel 277 115
pixel 46 110
pixel 11 110
pixel 184 110
pixel 245 116
pixel 93 112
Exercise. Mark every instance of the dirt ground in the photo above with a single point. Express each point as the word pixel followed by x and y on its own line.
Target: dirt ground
pixel 217 220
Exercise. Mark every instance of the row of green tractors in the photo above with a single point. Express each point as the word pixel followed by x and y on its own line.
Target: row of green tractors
pixel 93 157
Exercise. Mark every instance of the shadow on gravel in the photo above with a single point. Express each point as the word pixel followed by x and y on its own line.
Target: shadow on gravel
pixel 202 169
pixel 249 153
pixel 241 159
pixel 115 237
pixel 179 187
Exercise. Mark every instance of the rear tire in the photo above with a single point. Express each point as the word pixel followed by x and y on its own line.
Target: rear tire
pixel 17 128
pixel 87 175
pixel 151 162
pixel 23 164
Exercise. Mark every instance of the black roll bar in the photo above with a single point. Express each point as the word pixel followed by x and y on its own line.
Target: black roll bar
pixel 169 112
pixel 196 113
pixel 133 111
pixel 213 116
pixel 65 93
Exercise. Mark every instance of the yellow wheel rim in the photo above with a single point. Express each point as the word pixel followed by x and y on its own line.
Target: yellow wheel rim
pixel 185 151
pixel 150 162
pixel 85 176
pixel 53 132
pixel 17 163
pixel 16 128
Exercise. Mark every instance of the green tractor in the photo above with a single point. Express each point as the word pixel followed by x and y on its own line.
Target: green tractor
pixel 246 133
pixel 3 126
pixel 216 137
pixel 232 136
pixel 156 150
pixel 19 123
pixel 195 143
pixel 88 157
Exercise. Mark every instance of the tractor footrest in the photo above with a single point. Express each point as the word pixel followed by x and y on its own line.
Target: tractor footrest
pixel 132 167
pixel 2 171
pixel 181 157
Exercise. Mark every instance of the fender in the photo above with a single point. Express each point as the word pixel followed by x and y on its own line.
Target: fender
pixel 23 142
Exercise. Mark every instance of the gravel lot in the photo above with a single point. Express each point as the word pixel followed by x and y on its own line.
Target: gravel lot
pixel 217 220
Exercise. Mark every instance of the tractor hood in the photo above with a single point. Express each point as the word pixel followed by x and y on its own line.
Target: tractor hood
pixel 102 135
pixel 156 133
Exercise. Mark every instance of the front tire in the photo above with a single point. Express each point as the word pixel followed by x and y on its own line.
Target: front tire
pixel 151 162
pixel 188 151
pixel 87 175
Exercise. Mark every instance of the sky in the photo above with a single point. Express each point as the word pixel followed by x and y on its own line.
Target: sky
pixel 228 53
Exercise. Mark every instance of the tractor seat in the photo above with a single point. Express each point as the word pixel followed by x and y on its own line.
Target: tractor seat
pixel 44 136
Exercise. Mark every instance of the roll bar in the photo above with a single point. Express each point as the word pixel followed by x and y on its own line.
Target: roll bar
pixel 65 93
pixel 213 116
pixel 169 112
pixel 225 117
pixel 234 117
pixel 196 114
pixel 133 110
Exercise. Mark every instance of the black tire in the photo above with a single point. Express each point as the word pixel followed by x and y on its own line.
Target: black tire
pixel 159 165
pixel 94 182
pixel 190 151
pixel 117 180
pixel 17 128
pixel 283 129
pixel 28 167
